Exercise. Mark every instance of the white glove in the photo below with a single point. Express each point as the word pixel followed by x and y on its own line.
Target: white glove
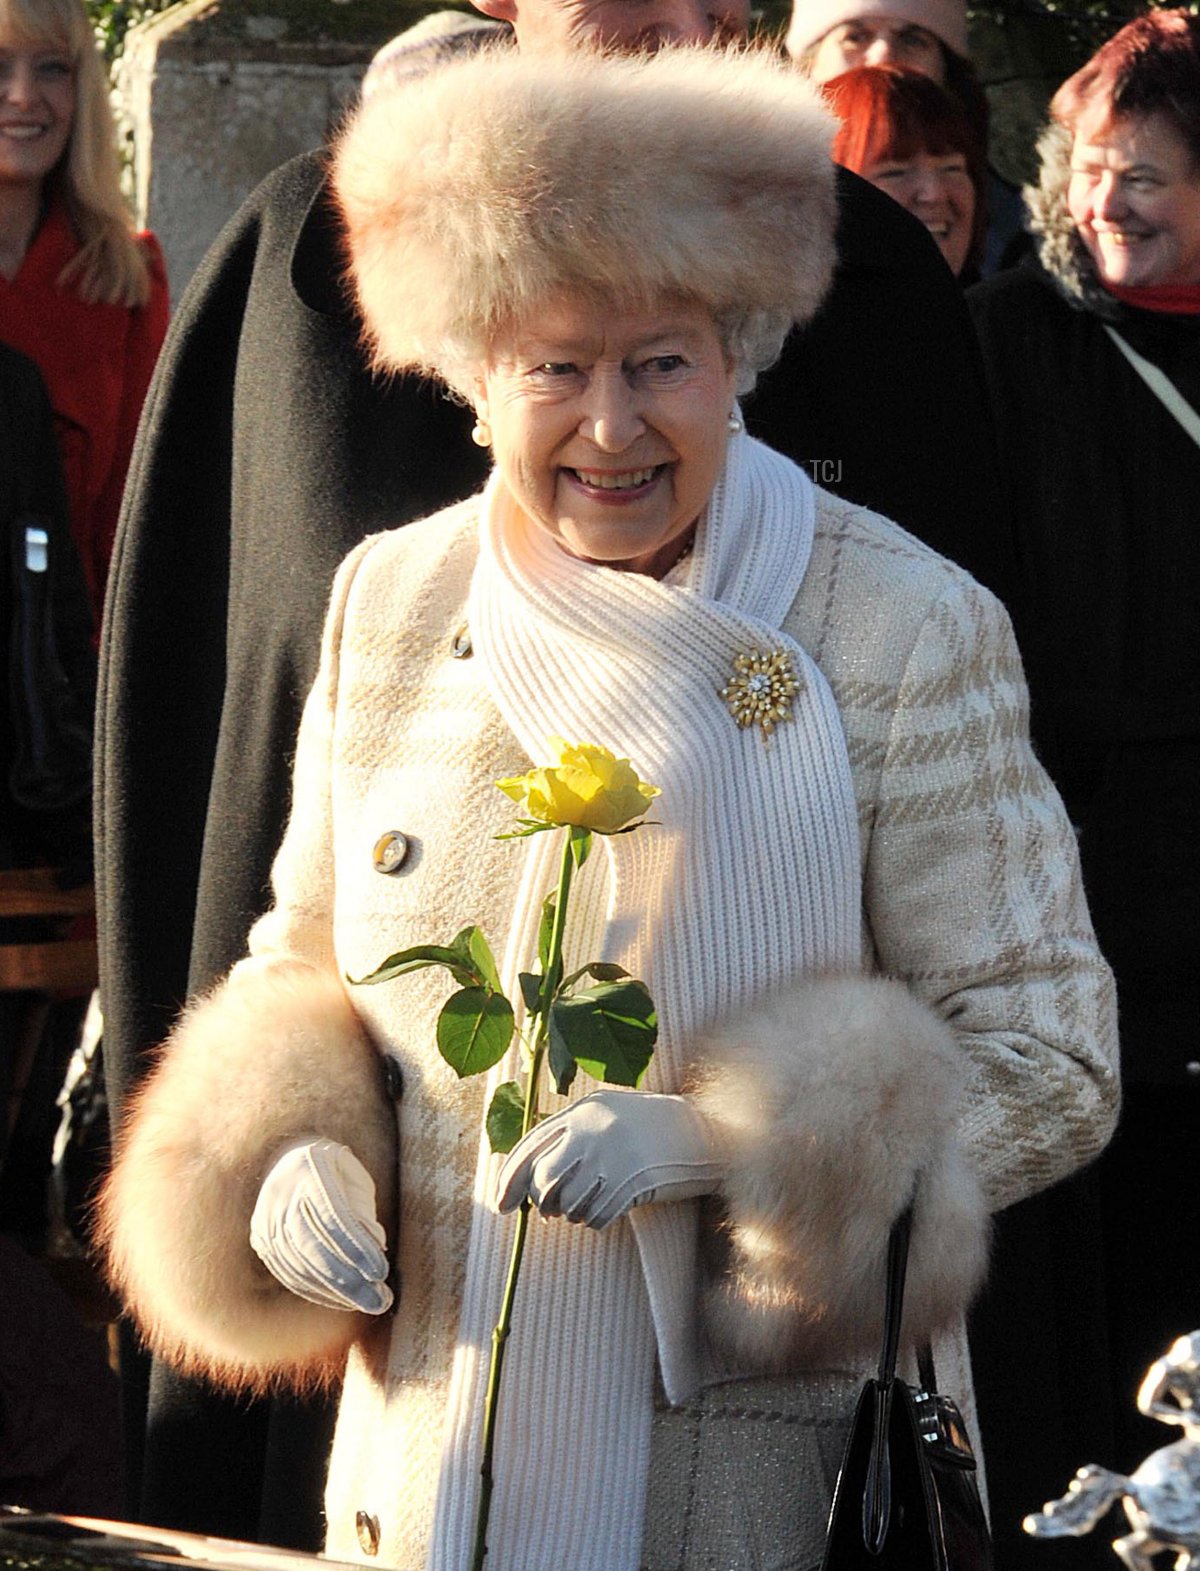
pixel 609 1152
pixel 314 1228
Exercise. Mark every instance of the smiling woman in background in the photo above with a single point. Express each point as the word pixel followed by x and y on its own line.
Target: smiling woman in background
pixel 1093 356
pixel 913 139
pixel 80 293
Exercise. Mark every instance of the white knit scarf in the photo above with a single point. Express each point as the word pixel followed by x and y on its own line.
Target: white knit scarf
pixel 750 875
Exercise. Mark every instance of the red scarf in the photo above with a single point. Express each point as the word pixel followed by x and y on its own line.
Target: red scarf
pixel 1178 299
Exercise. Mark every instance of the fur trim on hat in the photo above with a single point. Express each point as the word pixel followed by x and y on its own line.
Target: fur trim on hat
pixel 812 19
pixel 229 1091
pixel 838 1101
pixel 1060 250
pixel 475 195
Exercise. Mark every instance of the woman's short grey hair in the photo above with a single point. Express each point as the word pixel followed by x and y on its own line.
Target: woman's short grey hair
pixel 753 341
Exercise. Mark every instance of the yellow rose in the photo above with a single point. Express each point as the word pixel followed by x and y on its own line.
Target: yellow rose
pixel 588 787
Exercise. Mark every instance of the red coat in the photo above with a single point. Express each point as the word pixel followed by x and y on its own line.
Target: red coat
pixel 96 361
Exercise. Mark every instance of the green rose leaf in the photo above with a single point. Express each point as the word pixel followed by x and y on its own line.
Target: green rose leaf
pixel 559 1057
pixel 531 990
pixel 505 1116
pixel 529 826
pixel 457 961
pixel 545 932
pixel 580 841
pixel 477 953
pixel 610 1030
pixel 474 1030
pixel 598 970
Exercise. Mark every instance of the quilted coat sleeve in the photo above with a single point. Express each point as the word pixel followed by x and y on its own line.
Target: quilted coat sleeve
pixel 980 1067
pixel 276 1051
pixel 974 898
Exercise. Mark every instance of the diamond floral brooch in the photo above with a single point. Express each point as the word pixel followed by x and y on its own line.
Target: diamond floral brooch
pixel 760 691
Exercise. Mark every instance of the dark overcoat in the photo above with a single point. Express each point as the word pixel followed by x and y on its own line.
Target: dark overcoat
pixel 1091 1282
pixel 32 492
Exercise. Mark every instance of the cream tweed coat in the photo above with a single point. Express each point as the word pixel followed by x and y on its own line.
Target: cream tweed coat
pixel 987 1067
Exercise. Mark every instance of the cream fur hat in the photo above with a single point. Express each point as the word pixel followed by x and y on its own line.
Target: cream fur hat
pixel 812 19
pixel 473 195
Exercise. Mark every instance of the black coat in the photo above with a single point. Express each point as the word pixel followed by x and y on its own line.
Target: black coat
pixel 1103 485
pixel 266 452
pixel 32 492
pixel 1092 1281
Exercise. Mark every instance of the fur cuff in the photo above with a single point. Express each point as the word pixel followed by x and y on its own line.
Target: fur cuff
pixel 275 1053
pixel 836 1099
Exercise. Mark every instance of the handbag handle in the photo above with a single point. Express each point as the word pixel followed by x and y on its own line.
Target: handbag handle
pixel 877 1493
pixel 897 1269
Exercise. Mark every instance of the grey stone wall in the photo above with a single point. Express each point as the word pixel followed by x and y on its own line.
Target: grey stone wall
pixel 217 93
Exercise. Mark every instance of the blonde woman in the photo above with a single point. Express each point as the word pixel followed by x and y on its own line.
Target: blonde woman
pixel 81 293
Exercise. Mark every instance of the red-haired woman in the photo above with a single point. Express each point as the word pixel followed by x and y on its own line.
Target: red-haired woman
pixel 912 138
pixel 80 293
pixel 828 38
pixel 1092 351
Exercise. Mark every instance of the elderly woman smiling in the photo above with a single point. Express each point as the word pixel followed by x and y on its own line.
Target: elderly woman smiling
pixel 600 258
pixel 615 451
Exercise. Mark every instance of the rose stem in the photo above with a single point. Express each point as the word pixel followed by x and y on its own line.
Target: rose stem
pixel 491 1401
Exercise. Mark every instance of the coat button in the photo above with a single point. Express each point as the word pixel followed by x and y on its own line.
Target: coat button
pixel 391 850
pixel 367 1528
pixel 393 1079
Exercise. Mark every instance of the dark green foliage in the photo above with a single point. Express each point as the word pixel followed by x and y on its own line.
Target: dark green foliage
pixel 112 19
pixel 1085 24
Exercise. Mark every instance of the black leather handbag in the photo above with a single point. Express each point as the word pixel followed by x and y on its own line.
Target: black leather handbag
pixel 907 1495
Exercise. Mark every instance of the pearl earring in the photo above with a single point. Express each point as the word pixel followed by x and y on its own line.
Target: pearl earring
pixel 734 424
pixel 481 434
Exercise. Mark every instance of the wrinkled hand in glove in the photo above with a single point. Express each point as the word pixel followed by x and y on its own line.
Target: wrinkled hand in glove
pixel 609 1152
pixel 314 1228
